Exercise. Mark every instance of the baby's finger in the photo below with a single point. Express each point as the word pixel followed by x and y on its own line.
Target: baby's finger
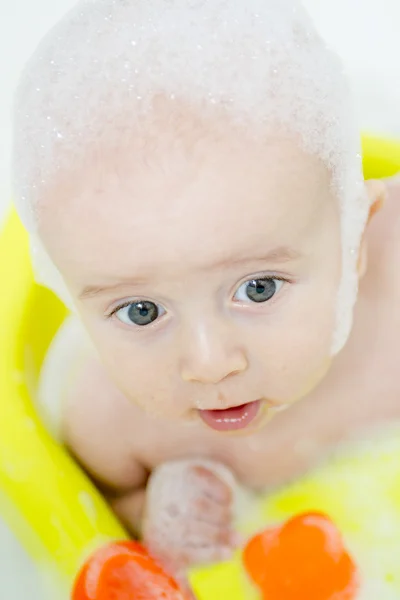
pixel 211 485
pixel 192 557
pixel 200 533
pixel 195 551
pixel 204 555
pixel 181 578
pixel 209 511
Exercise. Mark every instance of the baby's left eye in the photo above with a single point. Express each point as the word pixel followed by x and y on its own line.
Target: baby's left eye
pixel 140 313
pixel 258 290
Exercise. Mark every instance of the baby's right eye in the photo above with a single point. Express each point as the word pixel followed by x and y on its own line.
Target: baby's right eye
pixel 139 313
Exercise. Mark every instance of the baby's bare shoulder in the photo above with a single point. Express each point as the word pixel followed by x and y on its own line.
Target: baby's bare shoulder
pixel 102 429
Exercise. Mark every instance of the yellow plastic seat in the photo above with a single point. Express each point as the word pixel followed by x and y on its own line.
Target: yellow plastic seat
pixel 52 508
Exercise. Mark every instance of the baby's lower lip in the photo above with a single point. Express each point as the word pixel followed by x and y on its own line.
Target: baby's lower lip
pixel 231 419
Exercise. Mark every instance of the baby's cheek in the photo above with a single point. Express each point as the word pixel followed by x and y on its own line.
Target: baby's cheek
pixel 145 371
pixel 312 360
pixel 146 378
pixel 294 358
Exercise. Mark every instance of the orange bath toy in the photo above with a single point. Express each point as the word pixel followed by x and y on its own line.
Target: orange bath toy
pixel 305 559
pixel 124 571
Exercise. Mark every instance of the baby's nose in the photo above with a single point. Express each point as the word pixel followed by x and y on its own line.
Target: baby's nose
pixel 211 355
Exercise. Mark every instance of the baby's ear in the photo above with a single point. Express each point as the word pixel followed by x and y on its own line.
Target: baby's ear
pixel 377 193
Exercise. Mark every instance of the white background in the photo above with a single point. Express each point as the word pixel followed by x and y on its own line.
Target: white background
pixel 365 32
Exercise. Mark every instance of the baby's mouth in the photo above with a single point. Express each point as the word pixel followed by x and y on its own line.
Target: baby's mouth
pixel 231 419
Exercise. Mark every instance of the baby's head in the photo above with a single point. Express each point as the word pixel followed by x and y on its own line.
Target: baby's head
pixel 193 170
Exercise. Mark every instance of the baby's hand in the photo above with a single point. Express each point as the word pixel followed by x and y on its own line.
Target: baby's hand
pixel 188 514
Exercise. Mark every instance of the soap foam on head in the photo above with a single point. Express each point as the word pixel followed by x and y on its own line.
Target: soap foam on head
pixel 259 62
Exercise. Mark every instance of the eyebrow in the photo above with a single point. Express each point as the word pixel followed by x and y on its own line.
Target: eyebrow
pixel 279 255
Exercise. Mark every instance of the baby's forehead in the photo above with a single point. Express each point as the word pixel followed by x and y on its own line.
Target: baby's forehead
pixel 178 191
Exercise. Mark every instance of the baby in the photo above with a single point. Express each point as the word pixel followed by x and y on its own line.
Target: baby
pixel 190 175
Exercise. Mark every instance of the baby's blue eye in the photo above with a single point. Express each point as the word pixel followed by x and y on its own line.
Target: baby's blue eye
pixel 139 313
pixel 258 290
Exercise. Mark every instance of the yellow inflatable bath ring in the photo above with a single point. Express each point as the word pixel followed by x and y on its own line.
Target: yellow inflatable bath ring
pixel 61 519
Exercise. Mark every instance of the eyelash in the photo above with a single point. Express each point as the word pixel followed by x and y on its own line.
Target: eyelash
pixel 264 276
pixel 255 277
pixel 120 307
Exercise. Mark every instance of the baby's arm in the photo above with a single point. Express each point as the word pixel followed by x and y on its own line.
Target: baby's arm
pixel 97 428
pixel 81 408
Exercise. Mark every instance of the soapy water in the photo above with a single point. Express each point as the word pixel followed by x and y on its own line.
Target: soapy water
pixel 19 577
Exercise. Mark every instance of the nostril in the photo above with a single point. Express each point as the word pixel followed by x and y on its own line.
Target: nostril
pixel 236 372
pixel 232 374
pixel 213 367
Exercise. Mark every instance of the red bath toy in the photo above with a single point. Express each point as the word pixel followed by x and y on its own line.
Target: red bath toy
pixel 124 571
pixel 305 559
